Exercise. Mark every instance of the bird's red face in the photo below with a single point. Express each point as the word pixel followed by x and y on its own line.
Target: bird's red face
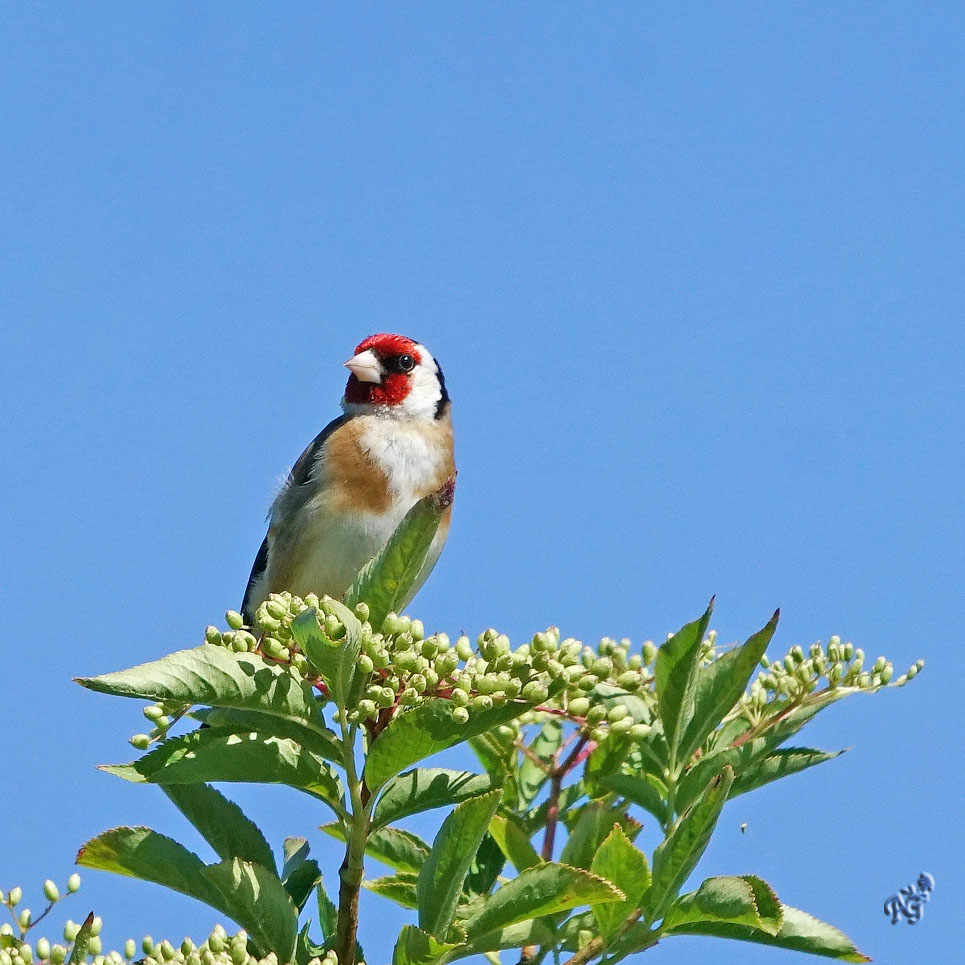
pixel 382 370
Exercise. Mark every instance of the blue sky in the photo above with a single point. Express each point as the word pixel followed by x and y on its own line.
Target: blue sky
pixel 695 275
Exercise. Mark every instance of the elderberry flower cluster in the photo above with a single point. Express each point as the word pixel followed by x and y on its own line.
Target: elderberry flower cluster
pixel 841 666
pixel 607 690
pixel 404 667
pixel 219 948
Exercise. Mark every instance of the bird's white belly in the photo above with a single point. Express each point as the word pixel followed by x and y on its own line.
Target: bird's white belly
pixel 338 546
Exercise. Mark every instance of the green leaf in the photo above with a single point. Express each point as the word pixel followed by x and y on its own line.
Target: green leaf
pixel 400 888
pixel 400 850
pixel 486 866
pixel 567 935
pixel 799 932
pixel 425 788
pixel 533 820
pixel 607 759
pixel 593 825
pixel 768 906
pixel 256 900
pixel 753 767
pixel 496 752
pixel 327 912
pixel 523 933
pixel 299 874
pixel 389 581
pixel 676 856
pixel 78 954
pixel 425 730
pixel 145 854
pixel 209 755
pixel 533 776
pixel 623 865
pixel 544 890
pixel 318 739
pixel 214 675
pixel 645 791
pixel 726 899
pixel 221 823
pixel 442 875
pixel 781 763
pixel 335 662
pixel 416 947
pixel 676 679
pixel 248 893
pixel 720 684
pixel 513 841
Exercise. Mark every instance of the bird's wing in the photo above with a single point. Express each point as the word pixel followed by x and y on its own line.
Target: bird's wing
pixel 301 473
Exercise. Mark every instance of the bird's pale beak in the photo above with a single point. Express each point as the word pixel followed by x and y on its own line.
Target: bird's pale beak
pixel 365 366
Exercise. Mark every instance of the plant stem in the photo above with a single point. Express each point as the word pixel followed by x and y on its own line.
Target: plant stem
pixel 350 873
pixel 556 774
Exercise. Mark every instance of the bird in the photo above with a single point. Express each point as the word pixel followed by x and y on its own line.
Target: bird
pixel 352 486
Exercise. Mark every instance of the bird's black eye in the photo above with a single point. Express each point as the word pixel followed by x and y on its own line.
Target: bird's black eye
pixel 400 363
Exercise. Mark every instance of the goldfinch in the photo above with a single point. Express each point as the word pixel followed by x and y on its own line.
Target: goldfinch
pixel 361 474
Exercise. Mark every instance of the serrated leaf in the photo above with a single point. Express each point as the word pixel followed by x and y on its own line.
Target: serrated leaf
pixel 720 685
pixel 208 755
pixel 216 676
pixel 416 947
pixel 531 775
pixel 523 933
pixel 143 853
pixel 400 850
pixel 327 912
pixel 400 888
pixel 425 730
pixel 319 739
pixel 545 889
pixel 753 767
pixel 221 823
pixel 676 856
pixel 643 791
pixel 624 866
pixel 778 764
pixel 389 581
pixel 425 788
pixel 593 825
pixel 256 900
pixel 676 679
pixel 513 841
pixel 768 906
pixel 442 875
pixel 724 898
pixel 799 932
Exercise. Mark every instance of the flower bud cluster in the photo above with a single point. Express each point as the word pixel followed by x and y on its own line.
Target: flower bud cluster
pixel 404 666
pixel 219 948
pixel 163 715
pixel 839 665
pixel 25 919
